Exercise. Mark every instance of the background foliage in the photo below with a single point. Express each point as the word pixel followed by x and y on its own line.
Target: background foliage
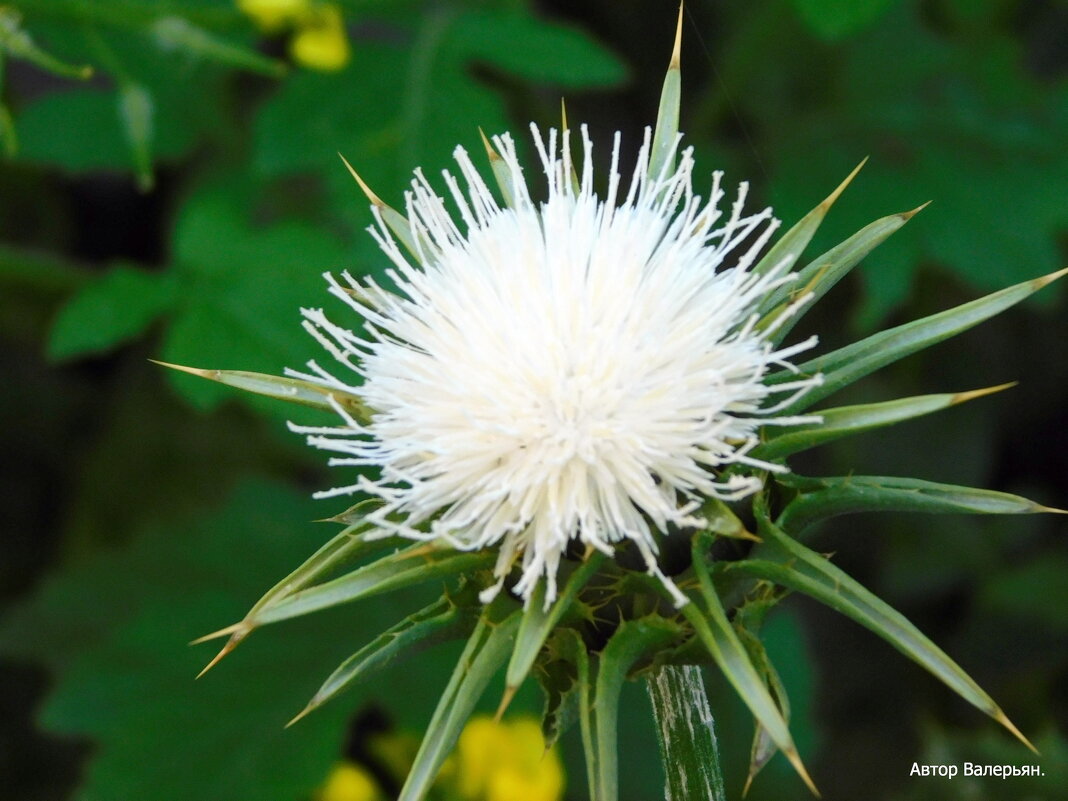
pixel 182 201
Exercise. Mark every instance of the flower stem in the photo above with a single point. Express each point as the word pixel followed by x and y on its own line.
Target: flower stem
pixel 686 730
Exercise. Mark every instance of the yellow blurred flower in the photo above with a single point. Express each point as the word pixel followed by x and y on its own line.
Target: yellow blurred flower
pixel 274 15
pixel 507 762
pixel 320 42
pixel 350 782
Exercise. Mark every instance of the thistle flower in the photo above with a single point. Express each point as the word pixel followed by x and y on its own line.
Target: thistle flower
pixel 576 369
pixel 549 382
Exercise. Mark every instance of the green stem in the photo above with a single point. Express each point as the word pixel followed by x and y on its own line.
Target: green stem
pixel 686 730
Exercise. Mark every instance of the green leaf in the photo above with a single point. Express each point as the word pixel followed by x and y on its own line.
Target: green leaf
pixel 177 33
pixel 849 420
pixel 748 622
pixel 112 629
pixel 632 641
pixel 110 311
pixel 442 620
pixel 788 248
pixel 822 498
pixel 538 622
pixel 559 685
pixel 721 640
pixel 834 19
pixel 818 277
pixel 413 565
pixel 291 390
pixel 345 548
pixel 842 367
pixel 569 646
pixel 785 561
pixel 485 653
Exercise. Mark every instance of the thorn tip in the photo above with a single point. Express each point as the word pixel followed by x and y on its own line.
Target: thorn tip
pixel 311 705
pixel 962 397
pixel 908 215
pixel 375 199
pixel 506 699
pixel 831 198
pixel 1038 283
pixel 676 52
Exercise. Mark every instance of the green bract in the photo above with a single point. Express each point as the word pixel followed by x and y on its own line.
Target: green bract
pixel 610 621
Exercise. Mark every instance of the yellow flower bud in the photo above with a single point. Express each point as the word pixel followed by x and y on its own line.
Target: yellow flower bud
pixel 507 762
pixel 350 782
pixel 320 42
pixel 272 16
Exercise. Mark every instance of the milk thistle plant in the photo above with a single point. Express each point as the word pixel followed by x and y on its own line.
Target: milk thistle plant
pixel 561 406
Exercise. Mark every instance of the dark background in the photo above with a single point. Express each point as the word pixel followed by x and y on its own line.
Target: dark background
pixel 182 203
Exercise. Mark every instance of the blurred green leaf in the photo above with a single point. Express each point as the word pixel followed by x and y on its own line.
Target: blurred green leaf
pixel 185 98
pixel 242 289
pixel 534 49
pixel 958 120
pixel 409 104
pixel 1035 591
pixel 177 33
pixel 833 19
pixel 981 748
pixel 18 43
pixel 112 310
pixel 113 630
pixel 47 136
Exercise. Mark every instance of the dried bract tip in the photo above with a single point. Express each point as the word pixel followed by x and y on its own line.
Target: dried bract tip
pixel 375 199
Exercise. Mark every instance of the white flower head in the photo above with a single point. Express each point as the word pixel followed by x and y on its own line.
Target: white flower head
pixel 581 368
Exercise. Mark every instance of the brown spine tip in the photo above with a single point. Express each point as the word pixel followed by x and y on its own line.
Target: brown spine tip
pixel 375 199
pixel 490 152
pixel 1050 510
pixel 676 52
pixel 506 699
pixel 1001 718
pixel 962 397
pixel 231 644
pixel 197 371
pixel 908 215
pixel 1038 283
pixel 563 115
pixel 748 784
pixel 798 766
pixel 311 705
pixel 831 198
pixel 229 630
